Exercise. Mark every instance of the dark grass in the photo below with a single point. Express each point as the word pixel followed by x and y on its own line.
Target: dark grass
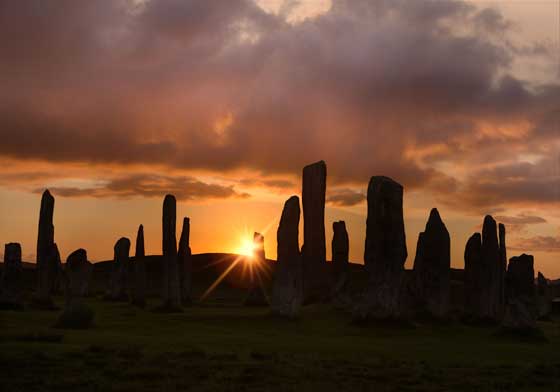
pixel 221 346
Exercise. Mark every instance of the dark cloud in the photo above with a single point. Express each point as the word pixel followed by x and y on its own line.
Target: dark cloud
pixel 148 185
pixel 371 87
pixel 538 243
pixel 345 197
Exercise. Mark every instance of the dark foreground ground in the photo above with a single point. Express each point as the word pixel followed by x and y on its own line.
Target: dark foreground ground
pixel 223 346
pixel 220 345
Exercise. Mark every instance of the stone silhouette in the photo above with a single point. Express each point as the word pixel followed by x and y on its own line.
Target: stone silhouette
pixel 118 281
pixel 314 243
pixel 48 258
pixel 256 296
pixel 502 266
pixel 78 273
pixel 287 291
pixel 11 284
pixel 473 276
pixel 139 271
pixel 544 297
pixel 185 263
pixel 171 295
pixel 385 250
pixel 340 248
pixel 431 268
pixel 484 273
pixel 521 309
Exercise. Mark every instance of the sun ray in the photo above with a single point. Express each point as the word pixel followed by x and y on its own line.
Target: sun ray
pixel 219 279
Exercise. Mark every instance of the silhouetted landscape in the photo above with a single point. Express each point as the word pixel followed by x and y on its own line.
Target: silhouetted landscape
pixel 279 195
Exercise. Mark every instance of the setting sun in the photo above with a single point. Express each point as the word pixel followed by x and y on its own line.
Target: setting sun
pixel 247 247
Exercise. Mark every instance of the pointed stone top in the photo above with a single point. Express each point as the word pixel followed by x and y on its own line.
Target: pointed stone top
pixel 541 276
pixel 141 228
pixel 434 214
pixel 47 193
pixel 257 235
pixel 186 219
pixel 316 164
pixel 378 180
pixel 78 254
pixel 489 220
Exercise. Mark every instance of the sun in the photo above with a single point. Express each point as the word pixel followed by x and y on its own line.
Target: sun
pixel 246 248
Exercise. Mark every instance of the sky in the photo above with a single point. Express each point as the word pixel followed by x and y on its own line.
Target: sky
pixel 113 104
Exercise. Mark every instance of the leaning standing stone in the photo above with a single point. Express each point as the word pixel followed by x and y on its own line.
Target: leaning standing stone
pixel 287 291
pixel 385 250
pixel 11 284
pixel 47 254
pixel 171 296
pixel 185 262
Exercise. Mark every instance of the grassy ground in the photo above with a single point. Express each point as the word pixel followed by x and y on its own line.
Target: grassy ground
pixel 220 346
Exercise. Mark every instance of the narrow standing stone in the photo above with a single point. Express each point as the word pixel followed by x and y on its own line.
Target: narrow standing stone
pixel 340 247
pixel 287 292
pixel 118 282
pixel 171 296
pixel 385 250
pixel 492 274
pixel 502 266
pixel 185 262
pixel 256 295
pixel 11 284
pixel 46 254
pixel 473 276
pixel 139 291
pixel 431 268
pixel 314 243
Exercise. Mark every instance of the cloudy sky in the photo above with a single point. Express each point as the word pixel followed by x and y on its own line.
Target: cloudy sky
pixel 112 104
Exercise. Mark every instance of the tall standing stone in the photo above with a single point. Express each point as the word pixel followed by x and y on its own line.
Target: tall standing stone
pixel 314 244
pixel 385 249
pixel 431 268
pixel 473 276
pixel 171 295
pixel 78 273
pixel 119 279
pixel 185 262
pixel 47 253
pixel 521 308
pixel 287 291
pixel 139 268
pixel 340 247
pixel 256 295
pixel 11 284
pixel 502 265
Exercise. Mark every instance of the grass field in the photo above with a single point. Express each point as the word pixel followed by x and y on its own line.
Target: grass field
pixel 221 346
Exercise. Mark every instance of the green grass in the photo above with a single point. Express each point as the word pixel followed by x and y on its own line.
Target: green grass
pixel 220 346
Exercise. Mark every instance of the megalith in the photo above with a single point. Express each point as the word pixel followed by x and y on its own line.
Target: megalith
pixel 521 308
pixel 256 295
pixel 340 247
pixel 11 284
pixel 78 273
pixel 171 293
pixel 185 263
pixel 139 271
pixel 119 279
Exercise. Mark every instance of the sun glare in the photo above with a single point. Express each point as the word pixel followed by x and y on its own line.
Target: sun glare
pixel 246 248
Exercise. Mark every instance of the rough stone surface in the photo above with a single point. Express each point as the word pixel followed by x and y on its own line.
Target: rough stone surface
pixel 121 261
pixel 473 278
pixel 139 287
pixel 287 291
pixel 48 259
pixel 314 243
pixel 340 247
pixel 11 284
pixel 521 308
pixel 385 250
pixel 256 295
pixel 78 273
pixel 171 295
pixel 544 297
pixel 431 268
pixel 185 262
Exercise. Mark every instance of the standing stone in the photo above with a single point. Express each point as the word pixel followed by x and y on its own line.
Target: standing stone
pixel 185 263
pixel 121 261
pixel 340 247
pixel 139 287
pixel 385 249
pixel 502 265
pixel 287 291
pixel 47 263
pixel 544 297
pixel 493 276
pixel 78 273
pixel 256 295
pixel 431 268
pixel 521 309
pixel 314 243
pixel 11 284
pixel 473 276
pixel 171 295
